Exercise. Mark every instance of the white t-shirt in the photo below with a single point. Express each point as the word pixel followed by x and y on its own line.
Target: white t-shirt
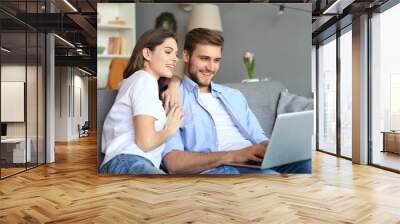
pixel 137 95
pixel 229 137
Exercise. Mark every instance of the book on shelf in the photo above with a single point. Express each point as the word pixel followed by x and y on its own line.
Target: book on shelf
pixel 114 44
pixel 124 46
pixel 117 45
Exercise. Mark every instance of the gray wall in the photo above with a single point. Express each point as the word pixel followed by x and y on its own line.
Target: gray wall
pixel 281 43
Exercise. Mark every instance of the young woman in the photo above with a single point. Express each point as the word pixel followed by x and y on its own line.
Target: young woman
pixel 137 126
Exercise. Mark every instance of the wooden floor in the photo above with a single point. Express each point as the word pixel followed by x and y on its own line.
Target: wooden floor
pixel 10 171
pixel 70 191
pixel 387 159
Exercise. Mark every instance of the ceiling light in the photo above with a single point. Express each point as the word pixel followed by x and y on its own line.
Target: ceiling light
pixel 205 16
pixel 84 71
pixel 5 49
pixel 187 7
pixel 64 40
pixel 281 9
pixel 70 5
pixel 335 6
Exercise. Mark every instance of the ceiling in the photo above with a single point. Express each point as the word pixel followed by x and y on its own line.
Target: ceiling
pixel 77 24
pixel 32 17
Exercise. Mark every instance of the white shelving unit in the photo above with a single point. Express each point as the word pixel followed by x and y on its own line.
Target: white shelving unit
pixel 112 26
pixel 106 56
pixel 108 12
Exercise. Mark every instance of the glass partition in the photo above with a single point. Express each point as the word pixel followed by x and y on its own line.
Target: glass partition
pixel 327 96
pixel 22 67
pixel 41 107
pixel 14 153
pixel 385 89
pixel 31 99
pixel 346 93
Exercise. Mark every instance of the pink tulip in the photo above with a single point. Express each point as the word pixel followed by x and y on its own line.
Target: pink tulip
pixel 248 56
pixel 249 62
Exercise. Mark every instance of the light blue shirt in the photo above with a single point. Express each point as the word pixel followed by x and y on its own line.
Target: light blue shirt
pixel 198 133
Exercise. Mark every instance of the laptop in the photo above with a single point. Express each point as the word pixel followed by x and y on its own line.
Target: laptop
pixel 290 141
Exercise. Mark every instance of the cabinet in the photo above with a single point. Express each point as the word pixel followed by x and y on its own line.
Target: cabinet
pixel 13 150
pixel 391 142
pixel 114 20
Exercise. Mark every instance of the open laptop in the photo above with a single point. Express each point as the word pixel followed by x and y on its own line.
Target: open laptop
pixel 290 141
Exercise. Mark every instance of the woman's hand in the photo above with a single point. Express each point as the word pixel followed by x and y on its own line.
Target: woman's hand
pixel 174 119
pixel 170 96
pixel 147 138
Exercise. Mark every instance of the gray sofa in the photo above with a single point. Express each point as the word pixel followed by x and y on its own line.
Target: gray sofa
pixel 263 98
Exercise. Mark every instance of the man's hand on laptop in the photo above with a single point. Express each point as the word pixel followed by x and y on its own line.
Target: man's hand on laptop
pixel 251 153
pixel 264 143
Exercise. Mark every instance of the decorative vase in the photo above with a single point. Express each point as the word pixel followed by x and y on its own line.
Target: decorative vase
pixel 250 80
pixel 100 49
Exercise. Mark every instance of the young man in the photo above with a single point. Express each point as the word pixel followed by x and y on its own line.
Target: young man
pixel 219 128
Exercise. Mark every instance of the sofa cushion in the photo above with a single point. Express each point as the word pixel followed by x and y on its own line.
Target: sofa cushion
pixel 289 102
pixel 105 99
pixel 262 98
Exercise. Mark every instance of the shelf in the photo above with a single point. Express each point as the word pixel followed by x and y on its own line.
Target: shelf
pixel 113 26
pixel 107 13
pixel 107 56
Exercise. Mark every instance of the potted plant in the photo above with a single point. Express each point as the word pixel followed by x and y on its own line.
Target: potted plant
pixel 250 62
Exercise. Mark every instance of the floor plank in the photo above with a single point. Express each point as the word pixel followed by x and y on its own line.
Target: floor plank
pixel 70 191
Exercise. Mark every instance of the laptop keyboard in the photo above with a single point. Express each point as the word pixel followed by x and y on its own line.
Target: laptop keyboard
pixel 253 163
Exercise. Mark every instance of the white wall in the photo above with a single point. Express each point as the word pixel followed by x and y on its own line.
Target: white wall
pixel 314 91
pixel 61 103
pixel 79 117
pixel 17 73
pixel 281 43
pixel 34 125
pixel 69 85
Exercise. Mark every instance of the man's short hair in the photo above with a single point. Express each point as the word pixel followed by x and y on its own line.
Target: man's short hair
pixel 203 36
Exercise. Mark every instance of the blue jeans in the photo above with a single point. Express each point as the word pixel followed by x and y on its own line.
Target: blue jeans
pixel 129 164
pixel 222 170
pixel 301 167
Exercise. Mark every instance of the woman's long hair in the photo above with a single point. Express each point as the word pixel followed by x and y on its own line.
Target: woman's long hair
pixel 150 40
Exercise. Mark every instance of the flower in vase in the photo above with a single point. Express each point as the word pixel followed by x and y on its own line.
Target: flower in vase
pixel 249 62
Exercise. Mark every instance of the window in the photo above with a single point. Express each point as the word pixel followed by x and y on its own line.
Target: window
pixel 327 96
pixel 385 86
pixel 346 75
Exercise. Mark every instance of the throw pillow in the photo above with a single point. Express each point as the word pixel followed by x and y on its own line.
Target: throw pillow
pixel 289 102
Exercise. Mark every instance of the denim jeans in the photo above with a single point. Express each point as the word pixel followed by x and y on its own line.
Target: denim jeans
pixel 222 170
pixel 301 167
pixel 129 164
